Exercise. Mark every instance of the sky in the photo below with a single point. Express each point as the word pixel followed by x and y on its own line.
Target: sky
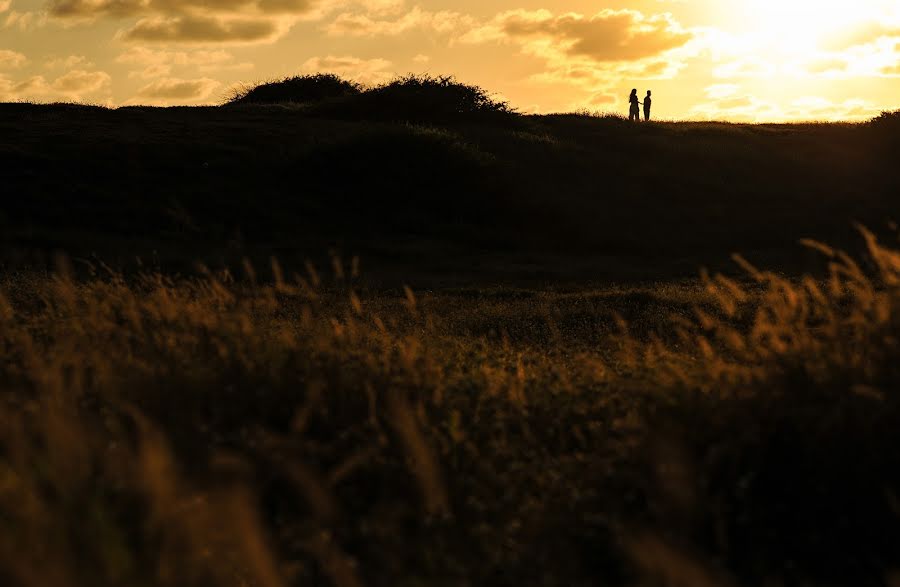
pixel 753 60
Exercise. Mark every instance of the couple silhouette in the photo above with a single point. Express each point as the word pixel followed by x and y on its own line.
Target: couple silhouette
pixel 635 112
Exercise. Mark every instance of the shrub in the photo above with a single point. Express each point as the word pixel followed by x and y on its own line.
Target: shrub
pixel 887 117
pixel 419 99
pixel 409 99
pixel 298 89
pixel 887 125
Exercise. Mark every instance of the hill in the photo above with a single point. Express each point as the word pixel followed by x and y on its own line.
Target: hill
pixel 560 196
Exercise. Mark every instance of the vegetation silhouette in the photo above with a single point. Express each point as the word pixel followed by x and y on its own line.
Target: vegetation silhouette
pixel 414 98
pixel 298 89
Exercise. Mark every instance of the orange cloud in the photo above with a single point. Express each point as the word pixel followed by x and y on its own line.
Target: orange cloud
pixel 204 29
pixel 24 21
pixel 728 102
pixel 170 90
pixel 609 35
pixel 159 63
pixel 78 82
pixel 122 8
pixel 70 62
pixel 192 21
pixel 594 53
pixel 11 59
pixel 148 56
pixel 367 71
pixel 74 85
pixel 363 25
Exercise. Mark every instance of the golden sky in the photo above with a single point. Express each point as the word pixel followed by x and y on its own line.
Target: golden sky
pixel 747 60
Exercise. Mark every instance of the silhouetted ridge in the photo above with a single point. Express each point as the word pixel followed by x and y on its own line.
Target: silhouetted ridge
pixel 411 98
pixel 298 89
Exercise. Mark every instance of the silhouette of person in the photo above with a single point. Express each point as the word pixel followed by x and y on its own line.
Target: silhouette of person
pixel 634 113
pixel 647 102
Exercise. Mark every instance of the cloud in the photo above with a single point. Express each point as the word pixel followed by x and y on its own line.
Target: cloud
pixel 74 85
pixel 862 34
pixel 17 90
pixel 175 90
pixel 124 8
pixel 747 67
pixel 873 55
pixel 878 58
pixel 367 71
pixel 720 91
pixel 593 53
pixel 609 35
pixel 728 102
pixel 79 82
pixel 192 21
pixel 11 59
pixel 24 21
pixel 70 62
pixel 363 25
pixel 603 100
pixel 382 6
pixel 205 29
pixel 155 63
pixel 150 56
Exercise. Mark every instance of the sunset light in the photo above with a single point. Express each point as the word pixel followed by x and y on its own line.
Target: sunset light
pixel 798 26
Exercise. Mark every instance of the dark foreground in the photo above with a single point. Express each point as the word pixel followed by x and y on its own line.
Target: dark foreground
pixel 210 432
pixel 515 418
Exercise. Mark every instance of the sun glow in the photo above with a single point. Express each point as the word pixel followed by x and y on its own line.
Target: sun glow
pixel 797 28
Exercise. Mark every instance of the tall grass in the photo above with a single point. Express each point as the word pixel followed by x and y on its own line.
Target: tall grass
pixel 225 431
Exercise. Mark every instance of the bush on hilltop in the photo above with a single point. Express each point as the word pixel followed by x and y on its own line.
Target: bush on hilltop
pixel 425 98
pixel 297 89
pixel 411 98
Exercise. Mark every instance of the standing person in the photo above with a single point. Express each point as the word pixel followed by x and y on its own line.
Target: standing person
pixel 635 112
pixel 647 103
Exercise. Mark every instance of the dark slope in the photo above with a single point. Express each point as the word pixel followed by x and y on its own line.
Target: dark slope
pixel 553 196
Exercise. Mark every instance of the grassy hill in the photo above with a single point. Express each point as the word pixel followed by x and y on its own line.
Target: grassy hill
pixel 565 196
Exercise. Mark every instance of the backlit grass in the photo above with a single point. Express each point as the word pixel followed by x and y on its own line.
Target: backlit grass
pixel 304 430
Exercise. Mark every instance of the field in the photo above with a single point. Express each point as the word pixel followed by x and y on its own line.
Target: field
pixel 251 345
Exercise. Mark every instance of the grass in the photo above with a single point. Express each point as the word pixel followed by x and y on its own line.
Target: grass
pixel 220 431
